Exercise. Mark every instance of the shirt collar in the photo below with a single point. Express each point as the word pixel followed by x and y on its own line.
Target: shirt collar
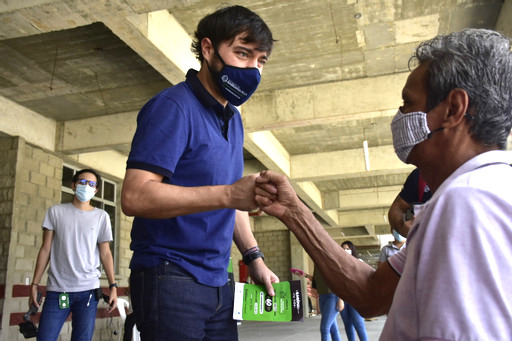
pixel 481 160
pixel 207 99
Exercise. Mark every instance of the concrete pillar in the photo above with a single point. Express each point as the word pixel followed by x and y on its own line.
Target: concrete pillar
pixel 300 260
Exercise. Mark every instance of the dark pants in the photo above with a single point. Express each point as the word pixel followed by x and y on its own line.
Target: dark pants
pixel 170 305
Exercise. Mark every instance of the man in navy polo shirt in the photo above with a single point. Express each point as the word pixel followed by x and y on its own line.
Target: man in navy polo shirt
pixel 184 186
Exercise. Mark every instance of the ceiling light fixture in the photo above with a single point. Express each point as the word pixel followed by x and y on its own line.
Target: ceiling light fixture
pixel 366 156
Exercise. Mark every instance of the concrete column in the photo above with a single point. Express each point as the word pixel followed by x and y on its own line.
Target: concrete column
pixel 300 260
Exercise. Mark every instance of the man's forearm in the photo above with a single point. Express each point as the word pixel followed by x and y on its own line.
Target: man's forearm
pixel 242 235
pixel 351 279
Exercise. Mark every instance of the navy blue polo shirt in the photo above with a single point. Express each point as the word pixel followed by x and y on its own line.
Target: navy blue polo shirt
pixel 190 139
pixel 411 192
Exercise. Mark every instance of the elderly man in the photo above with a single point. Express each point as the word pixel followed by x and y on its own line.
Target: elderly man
pixel 452 282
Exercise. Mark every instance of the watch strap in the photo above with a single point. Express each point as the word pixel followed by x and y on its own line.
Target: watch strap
pixel 252 256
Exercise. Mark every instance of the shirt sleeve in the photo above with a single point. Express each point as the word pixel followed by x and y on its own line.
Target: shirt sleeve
pixel 105 234
pixel 49 218
pixel 382 256
pixel 161 136
pixel 397 261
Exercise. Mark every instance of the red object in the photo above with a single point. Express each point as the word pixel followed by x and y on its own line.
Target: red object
pixel 297 272
pixel 243 271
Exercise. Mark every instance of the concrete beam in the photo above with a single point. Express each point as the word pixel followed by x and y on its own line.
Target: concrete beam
pixel 377 216
pixel 109 161
pixel 156 36
pixel 36 129
pixel 351 99
pixel 364 198
pixel 159 39
pixel 267 149
pixel 97 133
pixel 312 196
pixel 334 164
pixel 504 24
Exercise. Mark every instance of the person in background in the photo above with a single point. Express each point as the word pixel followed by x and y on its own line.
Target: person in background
pixel 351 319
pixel 453 125
pixel 393 247
pixel 330 305
pixel 414 191
pixel 184 186
pixel 76 239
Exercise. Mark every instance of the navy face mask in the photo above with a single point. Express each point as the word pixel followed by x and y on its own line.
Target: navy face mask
pixel 236 84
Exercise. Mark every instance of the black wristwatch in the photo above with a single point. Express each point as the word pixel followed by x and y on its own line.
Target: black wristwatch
pixel 113 285
pixel 252 256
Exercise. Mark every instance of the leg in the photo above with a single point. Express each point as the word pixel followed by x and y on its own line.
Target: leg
pixel 359 325
pixel 83 307
pixel 335 332
pixel 347 322
pixel 170 305
pixel 328 309
pixel 52 318
pixel 222 326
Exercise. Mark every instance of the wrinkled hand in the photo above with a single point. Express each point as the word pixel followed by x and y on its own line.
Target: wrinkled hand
pixel 242 193
pixel 274 194
pixel 261 274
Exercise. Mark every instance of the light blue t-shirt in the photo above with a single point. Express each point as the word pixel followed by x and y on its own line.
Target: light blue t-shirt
pixel 75 257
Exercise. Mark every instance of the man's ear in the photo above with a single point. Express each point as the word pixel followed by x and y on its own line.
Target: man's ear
pixel 207 48
pixel 458 104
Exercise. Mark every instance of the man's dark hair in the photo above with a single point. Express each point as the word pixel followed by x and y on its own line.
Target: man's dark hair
pixel 226 23
pixel 478 61
pixel 88 170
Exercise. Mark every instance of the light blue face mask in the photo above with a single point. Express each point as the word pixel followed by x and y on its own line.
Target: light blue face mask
pixel 84 193
pixel 398 237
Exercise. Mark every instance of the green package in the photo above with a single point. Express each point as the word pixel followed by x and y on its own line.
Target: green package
pixel 252 302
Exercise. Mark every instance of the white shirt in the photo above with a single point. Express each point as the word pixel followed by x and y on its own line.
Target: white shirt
pixel 456 281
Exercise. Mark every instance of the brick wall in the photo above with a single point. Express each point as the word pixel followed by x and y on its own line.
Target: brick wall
pixel 8 155
pixel 276 248
pixel 275 245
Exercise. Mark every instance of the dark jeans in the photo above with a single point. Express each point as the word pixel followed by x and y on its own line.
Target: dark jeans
pixel 82 304
pixel 170 305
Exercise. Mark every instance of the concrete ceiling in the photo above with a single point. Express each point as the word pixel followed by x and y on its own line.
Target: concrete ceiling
pixel 333 80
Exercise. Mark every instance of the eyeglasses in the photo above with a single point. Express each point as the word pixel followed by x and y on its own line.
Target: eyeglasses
pixel 87 182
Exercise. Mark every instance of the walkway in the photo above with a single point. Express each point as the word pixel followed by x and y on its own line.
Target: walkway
pixel 309 330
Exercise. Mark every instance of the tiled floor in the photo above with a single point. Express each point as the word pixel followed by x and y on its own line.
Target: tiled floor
pixel 309 330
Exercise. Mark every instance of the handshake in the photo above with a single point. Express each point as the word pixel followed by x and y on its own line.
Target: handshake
pixel 268 191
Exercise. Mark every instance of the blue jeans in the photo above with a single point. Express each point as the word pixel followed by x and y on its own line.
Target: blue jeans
pixel 82 305
pixel 352 319
pixel 170 305
pixel 328 326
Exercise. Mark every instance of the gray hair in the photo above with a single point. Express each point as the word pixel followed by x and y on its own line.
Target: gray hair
pixel 478 61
